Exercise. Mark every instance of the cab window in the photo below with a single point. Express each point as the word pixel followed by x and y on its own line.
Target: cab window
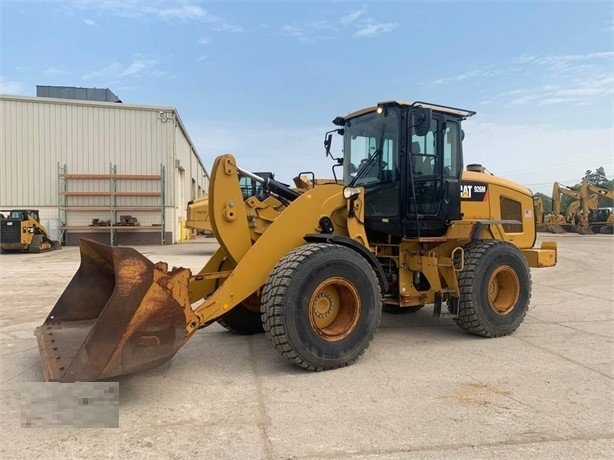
pixel 451 150
pixel 424 151
pixel 371 155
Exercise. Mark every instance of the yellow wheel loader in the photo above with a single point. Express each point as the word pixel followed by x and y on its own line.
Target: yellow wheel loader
pixel 312 268
pixel 21 230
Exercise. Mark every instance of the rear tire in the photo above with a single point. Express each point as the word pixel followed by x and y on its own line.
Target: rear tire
pixel 321 306
pixel 241 320
pixel 495 289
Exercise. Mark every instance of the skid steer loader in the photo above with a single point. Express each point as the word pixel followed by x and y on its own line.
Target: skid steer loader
pixel 313 268
pixel 21 230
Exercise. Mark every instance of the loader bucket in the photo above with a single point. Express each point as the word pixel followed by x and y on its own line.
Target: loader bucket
pixel 116 316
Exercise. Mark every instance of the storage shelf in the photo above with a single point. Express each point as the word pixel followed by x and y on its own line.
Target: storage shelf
pixel 137 208
pixel 111 210
pixel 111 176
pixel 106 228
pixel 110 194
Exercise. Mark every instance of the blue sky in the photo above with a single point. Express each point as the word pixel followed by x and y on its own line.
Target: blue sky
pixel 263 80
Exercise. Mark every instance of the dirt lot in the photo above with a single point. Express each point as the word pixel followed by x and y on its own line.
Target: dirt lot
pixel 424 389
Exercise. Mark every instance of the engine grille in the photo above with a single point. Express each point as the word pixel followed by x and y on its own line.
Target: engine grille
pixel 10 231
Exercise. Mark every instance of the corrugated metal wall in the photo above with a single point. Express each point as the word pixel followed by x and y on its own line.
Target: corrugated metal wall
pixel 37 133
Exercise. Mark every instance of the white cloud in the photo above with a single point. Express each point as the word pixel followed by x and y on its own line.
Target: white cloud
pixel 355 22
pixel 89 22
pixel 116 70
pixel 567 62
pixel 10 86
pixel 375 29
pixel 537 156
pixel 167 10
pixel 263 147
pixel 576 92
pixel 576 79
pixel 138 66
pixel 292 30
pixel 222 26
pixel 183 12
pixel 50 71
pixel 352 16
pixel 204 41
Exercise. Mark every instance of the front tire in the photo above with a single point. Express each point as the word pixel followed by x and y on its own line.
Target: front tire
pixel 321 306
pixel 495 289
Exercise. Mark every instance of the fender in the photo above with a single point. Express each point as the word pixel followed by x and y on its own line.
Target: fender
pixel 359 248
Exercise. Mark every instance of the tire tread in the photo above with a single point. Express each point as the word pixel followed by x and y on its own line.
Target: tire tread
pixel 273 295
pixel 467 318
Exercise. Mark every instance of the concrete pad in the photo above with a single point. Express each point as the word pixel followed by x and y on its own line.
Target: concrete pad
pixel 424 388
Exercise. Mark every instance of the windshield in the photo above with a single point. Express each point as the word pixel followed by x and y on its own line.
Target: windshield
pixel 370 149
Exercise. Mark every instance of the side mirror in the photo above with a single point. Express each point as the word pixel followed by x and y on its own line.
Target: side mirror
pixel 420 120
pixel 327 142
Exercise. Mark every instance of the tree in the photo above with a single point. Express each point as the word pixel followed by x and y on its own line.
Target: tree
pixel 598 177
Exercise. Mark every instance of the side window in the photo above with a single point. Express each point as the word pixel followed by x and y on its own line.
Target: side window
pixel 451 150
pixel 511 210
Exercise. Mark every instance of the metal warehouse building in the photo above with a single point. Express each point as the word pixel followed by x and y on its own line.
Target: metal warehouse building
pixel 116 173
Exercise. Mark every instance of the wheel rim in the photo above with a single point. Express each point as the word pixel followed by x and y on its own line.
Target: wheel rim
pixel 334 308
pixel 503 290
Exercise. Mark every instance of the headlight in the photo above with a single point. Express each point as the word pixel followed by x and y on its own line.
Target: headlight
pixel 350 192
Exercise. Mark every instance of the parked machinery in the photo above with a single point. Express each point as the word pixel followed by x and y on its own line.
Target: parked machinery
pixel 21 230
pixel 593 218
pixel 540 214
pixel 312 268
pixel 556 222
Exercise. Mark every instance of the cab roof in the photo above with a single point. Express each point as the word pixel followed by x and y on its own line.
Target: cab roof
pixel 439 108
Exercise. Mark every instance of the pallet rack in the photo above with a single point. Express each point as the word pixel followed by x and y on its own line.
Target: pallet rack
pixel 112 208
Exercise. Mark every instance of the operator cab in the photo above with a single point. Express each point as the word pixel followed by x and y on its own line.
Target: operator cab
pixel 408 157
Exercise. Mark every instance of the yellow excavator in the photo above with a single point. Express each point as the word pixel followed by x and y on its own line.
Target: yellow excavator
pixel 540 214
pixel 603 220
pixel 556 222
pixel 312 268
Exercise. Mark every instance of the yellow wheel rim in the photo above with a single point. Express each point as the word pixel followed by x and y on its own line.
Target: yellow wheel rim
pixel 334 308
pixel 503 290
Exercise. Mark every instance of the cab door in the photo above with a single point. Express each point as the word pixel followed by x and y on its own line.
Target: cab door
pixel 452 168
pixel 432 197
pixel 424 185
